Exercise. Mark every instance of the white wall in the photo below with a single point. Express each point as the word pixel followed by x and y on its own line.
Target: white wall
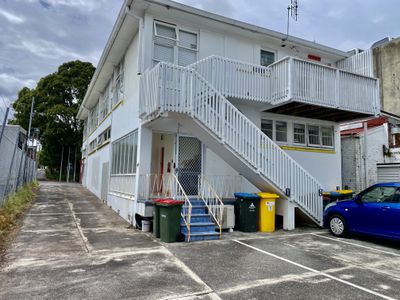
pixel 353 151
pixel 224 40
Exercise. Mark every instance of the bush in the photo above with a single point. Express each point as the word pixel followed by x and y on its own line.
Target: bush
pixel 15 205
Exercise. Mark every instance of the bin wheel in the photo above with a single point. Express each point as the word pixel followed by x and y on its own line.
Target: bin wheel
pixel 337 226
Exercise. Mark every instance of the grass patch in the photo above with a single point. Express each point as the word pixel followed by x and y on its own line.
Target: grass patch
pixel 15 206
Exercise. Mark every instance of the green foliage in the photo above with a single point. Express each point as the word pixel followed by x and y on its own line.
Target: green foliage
pixel 57 99
pixel 15 204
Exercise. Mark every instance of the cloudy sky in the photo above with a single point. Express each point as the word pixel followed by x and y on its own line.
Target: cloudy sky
pixel 38 35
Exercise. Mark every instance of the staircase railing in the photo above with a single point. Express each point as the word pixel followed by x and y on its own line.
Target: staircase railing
pixel 166 186
pixel 183 90
pixel 293 79
pixel 212 201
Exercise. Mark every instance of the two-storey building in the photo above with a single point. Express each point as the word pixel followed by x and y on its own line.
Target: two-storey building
pixel 193 105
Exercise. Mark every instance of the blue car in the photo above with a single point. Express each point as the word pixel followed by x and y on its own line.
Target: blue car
pixel 375 211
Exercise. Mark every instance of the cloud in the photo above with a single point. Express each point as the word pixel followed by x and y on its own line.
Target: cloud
pixel 12 17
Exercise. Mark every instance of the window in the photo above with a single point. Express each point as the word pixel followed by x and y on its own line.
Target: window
pixel 267 58
pixel 103 107
pixel 118 92
pixel 124 153
pixel 313 135
pixel 299 133
pixel 93 145
pixel 281 131
pixel 104 136
pixel 327 136
pixel 379 194
pixel 174 45
pixel 267 127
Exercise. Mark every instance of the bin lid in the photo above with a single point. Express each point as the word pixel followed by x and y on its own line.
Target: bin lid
pixel 345 192
pixel 248 196
pixel 332 193
pixel 265 195
pixel 168 202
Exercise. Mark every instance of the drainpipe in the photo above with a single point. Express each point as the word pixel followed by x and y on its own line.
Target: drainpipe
pixel 141 25
pixel 365 155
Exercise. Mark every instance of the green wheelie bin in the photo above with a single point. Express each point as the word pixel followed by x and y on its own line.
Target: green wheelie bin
pixel 168 223
pixel 246 212
pixel 156 218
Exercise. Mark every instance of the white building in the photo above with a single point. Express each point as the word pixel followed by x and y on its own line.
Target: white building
pixel 375 159
pixel 181 93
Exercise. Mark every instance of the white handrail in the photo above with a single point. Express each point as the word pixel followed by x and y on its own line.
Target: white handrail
pixel 185 91
pixel 166 186
pixel 212 201
pixel 291 79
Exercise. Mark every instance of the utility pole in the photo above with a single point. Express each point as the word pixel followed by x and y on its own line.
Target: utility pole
pixel 4 123
pixel 62 157
pixel 68 163
pixel 29 133
pixel 74 164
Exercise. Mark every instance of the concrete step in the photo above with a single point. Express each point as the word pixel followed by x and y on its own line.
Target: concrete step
pixel 196 218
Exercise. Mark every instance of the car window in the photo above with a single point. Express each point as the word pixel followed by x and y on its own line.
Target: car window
pixel 379 194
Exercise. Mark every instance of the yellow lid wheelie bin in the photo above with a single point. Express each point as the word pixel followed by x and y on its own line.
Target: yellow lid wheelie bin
pixel 266 220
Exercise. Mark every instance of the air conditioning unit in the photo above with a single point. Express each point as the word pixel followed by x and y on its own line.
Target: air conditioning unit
pixel 228 219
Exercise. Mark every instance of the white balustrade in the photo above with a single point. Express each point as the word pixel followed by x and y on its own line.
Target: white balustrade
pixel 123 185
pixel 291 79
pixel 183 90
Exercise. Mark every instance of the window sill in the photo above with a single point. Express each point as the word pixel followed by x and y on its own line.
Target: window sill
pixel 309 149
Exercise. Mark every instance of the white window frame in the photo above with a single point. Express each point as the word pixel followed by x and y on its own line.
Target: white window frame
pixel 308 136
pixel 176 45
pixel 305 133
pixel 333 136
pixel 268 50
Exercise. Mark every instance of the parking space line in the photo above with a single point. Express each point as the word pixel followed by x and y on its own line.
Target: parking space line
pixel 274 236
pixel 355 244
pixel 317 272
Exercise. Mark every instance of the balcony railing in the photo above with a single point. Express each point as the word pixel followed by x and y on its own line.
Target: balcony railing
pixel 292 79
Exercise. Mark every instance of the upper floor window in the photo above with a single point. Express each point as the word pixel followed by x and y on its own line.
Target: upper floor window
pixel 299 133
pixel 275 130
pixel 281 131
pixel 104 136
pixel 174 45
pixel 313 135
pixel 267 58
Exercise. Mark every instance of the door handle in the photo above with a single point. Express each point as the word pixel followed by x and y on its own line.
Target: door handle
pixel 385 207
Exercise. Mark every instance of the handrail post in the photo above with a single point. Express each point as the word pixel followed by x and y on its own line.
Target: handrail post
pixel 337 87
pixel 290 78
pixel 161 81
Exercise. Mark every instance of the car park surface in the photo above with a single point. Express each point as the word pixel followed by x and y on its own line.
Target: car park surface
pixel 90 253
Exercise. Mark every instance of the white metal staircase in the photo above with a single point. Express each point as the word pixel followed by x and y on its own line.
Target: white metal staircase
pixel 207 114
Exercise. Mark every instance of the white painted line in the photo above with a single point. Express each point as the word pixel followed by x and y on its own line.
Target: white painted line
pixel 317 272
pixel 192 275
pixel 355 244
pixel 275 236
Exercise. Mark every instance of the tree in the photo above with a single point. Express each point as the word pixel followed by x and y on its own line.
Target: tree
pixel 57 100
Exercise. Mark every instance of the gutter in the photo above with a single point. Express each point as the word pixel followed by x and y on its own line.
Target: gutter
pixel 141 26
pixel 110 43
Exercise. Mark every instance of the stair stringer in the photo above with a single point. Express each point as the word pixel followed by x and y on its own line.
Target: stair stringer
pixel 197 129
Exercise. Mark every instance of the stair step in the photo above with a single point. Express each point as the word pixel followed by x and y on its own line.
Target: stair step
pixel 200 227
pixel 196 218
pixel 202 236
pixel 199 209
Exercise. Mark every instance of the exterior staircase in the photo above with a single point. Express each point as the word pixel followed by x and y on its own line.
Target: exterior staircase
pixel 202 226
pixel 183 94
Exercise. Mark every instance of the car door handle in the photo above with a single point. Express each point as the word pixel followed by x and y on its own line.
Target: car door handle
pixel 385 207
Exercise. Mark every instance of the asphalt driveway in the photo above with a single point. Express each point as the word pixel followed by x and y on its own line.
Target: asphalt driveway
pixel 72 246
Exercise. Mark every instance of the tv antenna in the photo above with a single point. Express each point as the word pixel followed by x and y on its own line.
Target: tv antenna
pixel 291 12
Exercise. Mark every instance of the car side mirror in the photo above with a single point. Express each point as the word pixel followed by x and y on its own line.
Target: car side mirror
pixel 357 199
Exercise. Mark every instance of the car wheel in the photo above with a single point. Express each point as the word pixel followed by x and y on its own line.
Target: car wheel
pixel 337 226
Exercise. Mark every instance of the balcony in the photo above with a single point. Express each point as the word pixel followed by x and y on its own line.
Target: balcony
pixel 293 86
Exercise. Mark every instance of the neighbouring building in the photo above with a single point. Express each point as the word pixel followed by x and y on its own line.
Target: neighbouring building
pixel 386 61
pixel 366 162
pixel 192 105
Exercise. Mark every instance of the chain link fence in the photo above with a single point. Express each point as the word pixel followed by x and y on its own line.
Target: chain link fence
pixel 17 161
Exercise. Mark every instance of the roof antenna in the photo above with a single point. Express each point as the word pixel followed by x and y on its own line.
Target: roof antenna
pixel 291 11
